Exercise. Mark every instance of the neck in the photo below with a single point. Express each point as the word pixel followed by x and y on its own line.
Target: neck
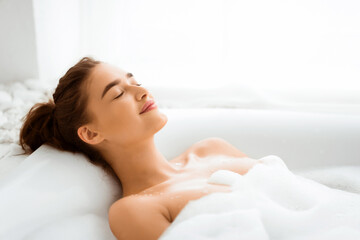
pixel 139 166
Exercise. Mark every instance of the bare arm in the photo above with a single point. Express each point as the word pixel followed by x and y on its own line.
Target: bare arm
pixel 214 146
pixel 137 219
pixel 218 146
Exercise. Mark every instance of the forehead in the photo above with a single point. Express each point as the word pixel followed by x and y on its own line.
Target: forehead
pixel 103 74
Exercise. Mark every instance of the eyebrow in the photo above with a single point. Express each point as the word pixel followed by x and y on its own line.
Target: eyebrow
pixel 113 83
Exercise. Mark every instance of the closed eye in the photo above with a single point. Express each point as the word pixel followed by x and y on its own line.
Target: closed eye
pixel 138 84
pixel 119 95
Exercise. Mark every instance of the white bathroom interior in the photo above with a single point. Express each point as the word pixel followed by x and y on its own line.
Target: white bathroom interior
pixel 273 78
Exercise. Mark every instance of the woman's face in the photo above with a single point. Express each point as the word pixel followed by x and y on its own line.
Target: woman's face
pixel 115 101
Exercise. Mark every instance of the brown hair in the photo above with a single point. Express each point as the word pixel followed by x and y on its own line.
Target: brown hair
pixel 56 122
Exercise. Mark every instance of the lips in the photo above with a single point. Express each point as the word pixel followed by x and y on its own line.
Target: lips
pixel 148 104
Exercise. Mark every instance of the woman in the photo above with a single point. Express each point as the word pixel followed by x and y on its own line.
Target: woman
pixel 102 111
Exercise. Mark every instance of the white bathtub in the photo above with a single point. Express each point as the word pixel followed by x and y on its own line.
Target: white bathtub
pixel 302 140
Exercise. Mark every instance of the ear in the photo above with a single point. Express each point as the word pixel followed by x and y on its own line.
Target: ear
pixel 89 136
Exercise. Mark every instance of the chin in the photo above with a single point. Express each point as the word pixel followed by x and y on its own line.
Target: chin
pixel 161 122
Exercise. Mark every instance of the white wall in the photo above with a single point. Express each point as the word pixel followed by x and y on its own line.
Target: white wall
pixel 57 36
pixel 18 58
pixel 39 39
pixel 275 45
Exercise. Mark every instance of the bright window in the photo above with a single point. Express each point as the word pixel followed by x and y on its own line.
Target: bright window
pixel 230 52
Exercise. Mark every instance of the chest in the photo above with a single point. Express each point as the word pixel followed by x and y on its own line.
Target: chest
pixel 177 198
pixel 195 185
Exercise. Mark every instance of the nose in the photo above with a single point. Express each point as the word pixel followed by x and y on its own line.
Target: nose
pixel 142 93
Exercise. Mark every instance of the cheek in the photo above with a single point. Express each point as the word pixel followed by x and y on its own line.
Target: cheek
pixel 119 119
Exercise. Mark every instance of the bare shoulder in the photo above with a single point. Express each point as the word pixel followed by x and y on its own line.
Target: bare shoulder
pixel 214 146
pixel 138 218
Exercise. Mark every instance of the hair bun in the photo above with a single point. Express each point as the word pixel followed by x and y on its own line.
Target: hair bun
pixel 52 106
pixel 48 109
pixel 38 127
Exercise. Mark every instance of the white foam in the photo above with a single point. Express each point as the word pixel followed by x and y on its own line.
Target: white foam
pixel 269 202
pixel 223 177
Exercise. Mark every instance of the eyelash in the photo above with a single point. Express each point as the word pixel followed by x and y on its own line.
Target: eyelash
pixel 138 84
